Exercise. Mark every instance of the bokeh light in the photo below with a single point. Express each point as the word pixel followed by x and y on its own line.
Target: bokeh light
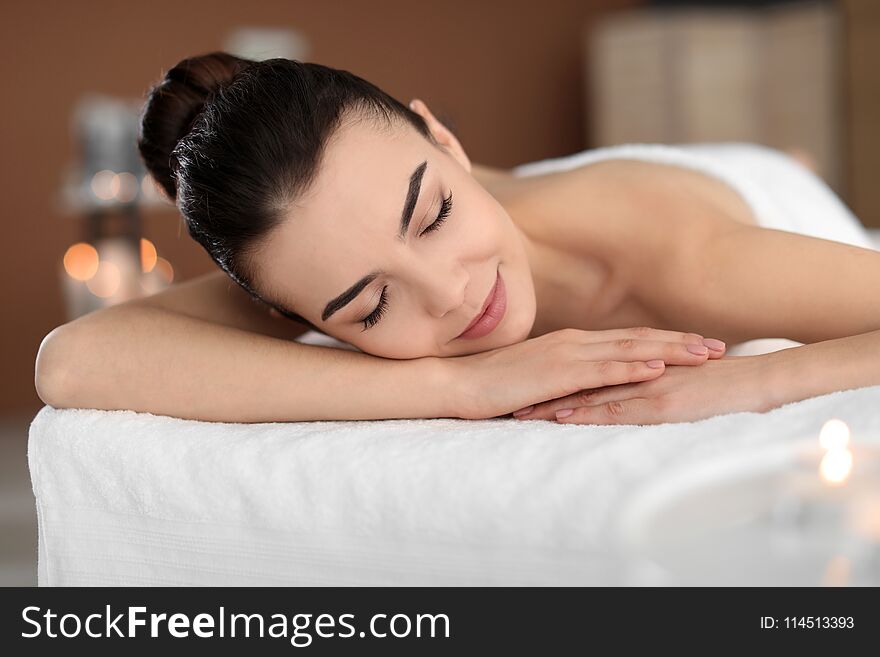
pixel 105 184
pixel 148 255
pixel 106 280
pixel 127 187
pixel 834 434
pixel 81 261
pixel 836 466
pixel 165 270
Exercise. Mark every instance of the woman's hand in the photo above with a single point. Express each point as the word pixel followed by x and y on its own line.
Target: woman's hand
pixel 557 364
pixel 682 394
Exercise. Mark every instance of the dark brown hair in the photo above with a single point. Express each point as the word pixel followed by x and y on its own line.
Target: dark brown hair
pixel 233 142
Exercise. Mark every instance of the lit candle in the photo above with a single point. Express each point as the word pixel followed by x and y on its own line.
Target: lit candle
pixel 836 465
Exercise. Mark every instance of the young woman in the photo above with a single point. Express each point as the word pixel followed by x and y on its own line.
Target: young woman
pixel 465 291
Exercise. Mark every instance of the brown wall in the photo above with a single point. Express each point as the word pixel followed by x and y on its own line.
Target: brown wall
pixel 512 66
pixel 861 54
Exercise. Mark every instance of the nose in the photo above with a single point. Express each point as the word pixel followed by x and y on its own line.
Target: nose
pixel 445 290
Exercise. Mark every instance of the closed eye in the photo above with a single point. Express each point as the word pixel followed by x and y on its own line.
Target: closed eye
pixel 373 318
pixel 445 209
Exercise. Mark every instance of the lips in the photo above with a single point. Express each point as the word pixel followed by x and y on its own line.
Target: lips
pixel 490 314
pixel 485 306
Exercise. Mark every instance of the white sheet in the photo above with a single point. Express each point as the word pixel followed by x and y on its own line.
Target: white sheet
pixel 135 499
pixel 783 194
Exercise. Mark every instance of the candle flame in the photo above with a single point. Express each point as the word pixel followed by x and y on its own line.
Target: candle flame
pixel 836 466
pixel 837 463
pixel 834 434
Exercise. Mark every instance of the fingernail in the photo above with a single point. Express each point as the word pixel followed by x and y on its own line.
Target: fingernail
pixel 712 343
pixel 698 349
pixel 565 412
pixel 656 364
pixel 523 411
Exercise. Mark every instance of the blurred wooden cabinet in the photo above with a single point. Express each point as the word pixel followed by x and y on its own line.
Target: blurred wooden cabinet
pixel 771 75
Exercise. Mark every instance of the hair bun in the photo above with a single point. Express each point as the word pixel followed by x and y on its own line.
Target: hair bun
pixel 173 105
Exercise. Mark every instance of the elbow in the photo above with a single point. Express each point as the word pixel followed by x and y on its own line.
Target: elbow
pixel 50 371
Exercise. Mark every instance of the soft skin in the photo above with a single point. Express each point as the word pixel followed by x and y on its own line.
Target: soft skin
pixel 696 265
pixel 753 283
pixel 729 385
pixel 345 227
pixel 435 282
pixel 608 268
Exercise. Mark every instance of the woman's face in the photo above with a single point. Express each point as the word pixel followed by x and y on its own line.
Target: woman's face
pixel 339 250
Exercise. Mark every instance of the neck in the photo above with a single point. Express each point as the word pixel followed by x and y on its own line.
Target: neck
pixel 575 286
pixel 567 286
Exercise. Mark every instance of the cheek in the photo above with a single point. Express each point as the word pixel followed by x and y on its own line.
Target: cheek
pixel 407 340
pixel 492 226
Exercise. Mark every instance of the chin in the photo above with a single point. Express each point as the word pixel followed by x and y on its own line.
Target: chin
pixel 517 330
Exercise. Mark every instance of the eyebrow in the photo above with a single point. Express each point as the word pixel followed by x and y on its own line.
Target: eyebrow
pixel 409 206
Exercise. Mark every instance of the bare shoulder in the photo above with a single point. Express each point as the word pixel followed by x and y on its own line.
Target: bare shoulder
pixel 638 218
pixel 617 208
pixel 657 222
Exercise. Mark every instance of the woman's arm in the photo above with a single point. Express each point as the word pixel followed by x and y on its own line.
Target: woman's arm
pixel 149 359
pixel 697 267
pixel 729 385
pixel 191 352
pixel 744 282
pixel 205 350
pixel 822 367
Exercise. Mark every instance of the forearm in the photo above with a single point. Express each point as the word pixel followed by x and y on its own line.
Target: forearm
pixel 823 367
pixel 153 360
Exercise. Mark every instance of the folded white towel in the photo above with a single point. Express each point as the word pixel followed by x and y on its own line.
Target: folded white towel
pixel 132 498
pixel 782 193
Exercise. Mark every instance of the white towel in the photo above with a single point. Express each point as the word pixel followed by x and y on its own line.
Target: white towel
pixel 135 499
pixel 782 193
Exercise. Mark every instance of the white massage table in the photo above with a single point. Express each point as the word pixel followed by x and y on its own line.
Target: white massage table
pixel 127 498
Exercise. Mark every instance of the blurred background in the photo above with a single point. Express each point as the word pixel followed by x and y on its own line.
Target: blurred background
pixel 85 228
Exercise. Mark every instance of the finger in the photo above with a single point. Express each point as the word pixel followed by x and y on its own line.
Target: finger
pixel 599 373
pixel 632 349
pixel 591 397
pixel 643 333
pixel 717 348
pixel 629 411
